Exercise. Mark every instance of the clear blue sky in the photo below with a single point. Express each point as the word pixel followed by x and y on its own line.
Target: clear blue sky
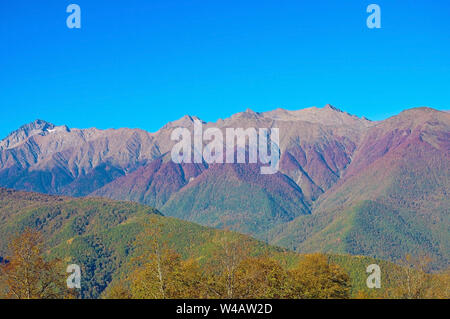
pixel 144 63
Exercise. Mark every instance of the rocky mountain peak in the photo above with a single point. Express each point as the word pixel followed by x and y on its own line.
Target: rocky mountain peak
pixel 37 127
pixel 248 114
pixel 185 121
pixel 333 108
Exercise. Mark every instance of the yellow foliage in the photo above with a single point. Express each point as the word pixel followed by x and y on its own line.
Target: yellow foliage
pixel 315 277
pixel 28 275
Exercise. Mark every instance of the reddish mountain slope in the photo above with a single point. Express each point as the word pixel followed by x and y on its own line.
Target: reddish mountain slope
pixel 392 199
pixel 153 183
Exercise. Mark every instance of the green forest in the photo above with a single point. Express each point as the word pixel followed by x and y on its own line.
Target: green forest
pixel 128 250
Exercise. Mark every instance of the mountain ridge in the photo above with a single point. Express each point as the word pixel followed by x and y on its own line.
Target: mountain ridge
pixel 332 164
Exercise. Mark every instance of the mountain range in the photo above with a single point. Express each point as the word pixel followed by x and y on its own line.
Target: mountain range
pixel 346 184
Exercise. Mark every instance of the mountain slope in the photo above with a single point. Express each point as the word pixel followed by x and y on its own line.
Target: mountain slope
pixel 313 157
pixel 68 161
pixel 238 197
pixel 393 198
pixel 343 181
pixel 99 234
pixel 316 146
pixel 153 183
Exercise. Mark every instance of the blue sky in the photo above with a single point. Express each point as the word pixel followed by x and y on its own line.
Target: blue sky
pixel 144 63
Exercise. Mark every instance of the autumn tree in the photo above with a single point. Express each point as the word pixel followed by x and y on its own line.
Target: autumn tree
pixel 161 272
pixel 228 254
pixel 118 290
pixel 314 277
pixel 440 286
pixel 27 274
pixel 3 288
pixel 260 277
pixel 181 279
pixel 151 279
pixel 415 280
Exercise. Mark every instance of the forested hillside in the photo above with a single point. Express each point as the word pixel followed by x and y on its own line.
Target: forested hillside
pixel 112 242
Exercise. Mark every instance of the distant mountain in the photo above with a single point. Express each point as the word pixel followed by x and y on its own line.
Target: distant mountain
pixel 345 183
pixel 153 183
pixel 19 136
pixel 63 161
pixel 238 197
pixel 393 198
pixel 135 165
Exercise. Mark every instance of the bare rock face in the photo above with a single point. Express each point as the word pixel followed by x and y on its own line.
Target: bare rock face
pixel 17 137
pixel 46 158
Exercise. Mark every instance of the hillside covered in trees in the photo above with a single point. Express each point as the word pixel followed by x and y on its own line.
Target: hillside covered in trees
pixel 127 250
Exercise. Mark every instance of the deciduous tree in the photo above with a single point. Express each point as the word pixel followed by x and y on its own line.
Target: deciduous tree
pixel 260 277
pixel 162 273
pixel 315 277
pixel 27 274
pixel 229 252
